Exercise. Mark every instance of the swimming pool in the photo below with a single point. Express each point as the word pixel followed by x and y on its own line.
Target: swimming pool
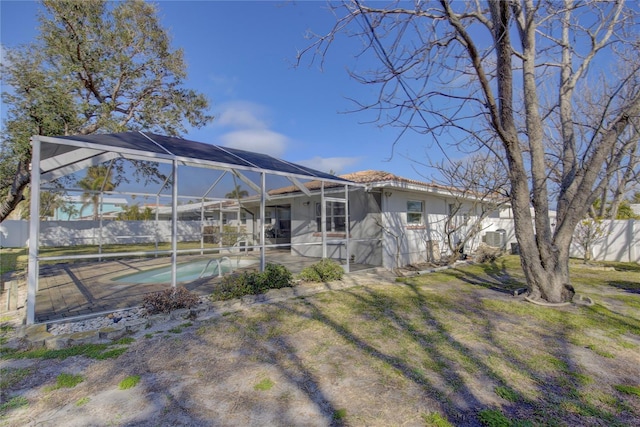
pixel 187 272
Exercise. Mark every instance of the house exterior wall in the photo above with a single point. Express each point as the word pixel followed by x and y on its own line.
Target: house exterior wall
pixel 417 244
pixel 365 245
pixel 406 243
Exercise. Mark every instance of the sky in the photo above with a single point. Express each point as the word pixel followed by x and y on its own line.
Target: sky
pixel 242 55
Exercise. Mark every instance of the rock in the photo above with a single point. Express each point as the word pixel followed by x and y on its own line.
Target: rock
pixel 86 337
pixel 113 333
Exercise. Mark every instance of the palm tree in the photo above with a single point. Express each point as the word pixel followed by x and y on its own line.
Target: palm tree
pixel 98 179
pixel 237 193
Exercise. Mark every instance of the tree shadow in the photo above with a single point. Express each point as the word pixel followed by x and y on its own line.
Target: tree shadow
pixel 625 285
pixel 495 276
pixel 563 378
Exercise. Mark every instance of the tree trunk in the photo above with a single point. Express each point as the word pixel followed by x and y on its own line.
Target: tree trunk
pixel 21 179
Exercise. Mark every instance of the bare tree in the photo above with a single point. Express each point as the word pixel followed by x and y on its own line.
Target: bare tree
pixel 623 180
pixel 475 72
pixel 625 174
pixel 589 232
pixel 478 187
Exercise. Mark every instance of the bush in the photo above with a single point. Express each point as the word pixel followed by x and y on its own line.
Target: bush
pixel 276 276
pixel 252 283
pixel 169 299
pixel 486 254
pixel 232 286
pixel 325 270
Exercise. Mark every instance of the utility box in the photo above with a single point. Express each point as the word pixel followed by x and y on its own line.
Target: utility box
pixel 496 239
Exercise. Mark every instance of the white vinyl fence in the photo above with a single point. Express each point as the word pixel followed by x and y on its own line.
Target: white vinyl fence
pixel 15 234
pixel 621 241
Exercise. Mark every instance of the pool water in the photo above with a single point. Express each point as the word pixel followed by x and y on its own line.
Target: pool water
pixel 186 272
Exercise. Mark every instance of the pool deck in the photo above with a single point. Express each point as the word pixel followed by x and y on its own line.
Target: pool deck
pixel 73 290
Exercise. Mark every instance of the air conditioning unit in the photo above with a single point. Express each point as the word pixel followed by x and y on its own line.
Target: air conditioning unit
pixel 496 239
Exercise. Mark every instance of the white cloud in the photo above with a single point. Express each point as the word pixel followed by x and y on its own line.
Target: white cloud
pixel 242 115
pixel 257 140
pixel 326 164
pixel 249 129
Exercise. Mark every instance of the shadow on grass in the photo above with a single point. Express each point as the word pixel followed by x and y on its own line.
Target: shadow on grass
pixel 559 380
pixel 627 286
pixel 494 276
pixel 447 385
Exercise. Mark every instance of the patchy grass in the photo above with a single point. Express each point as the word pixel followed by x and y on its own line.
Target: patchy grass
pixel 451 348
pixel 628 389
pixel 264 385
pixel 12 376
pixel 94 351
pixel 65 380
pixel 493 418
pixel 83 401
pixel 507 393
pixel 14 402
pixel 434 419
pixel 339 414
pixel 129 382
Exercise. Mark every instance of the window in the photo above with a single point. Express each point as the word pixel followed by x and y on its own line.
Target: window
pixel 414 212
pixel 336 218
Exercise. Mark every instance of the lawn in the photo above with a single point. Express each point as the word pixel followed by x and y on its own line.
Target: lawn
pixel 448 348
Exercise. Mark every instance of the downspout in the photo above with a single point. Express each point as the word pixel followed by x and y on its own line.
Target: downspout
pixel 323 220
pixel 347 224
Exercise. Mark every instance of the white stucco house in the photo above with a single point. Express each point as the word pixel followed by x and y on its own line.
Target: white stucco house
pixel 392 221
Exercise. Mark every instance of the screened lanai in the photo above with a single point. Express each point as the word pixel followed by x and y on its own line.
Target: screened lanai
pixel 142 198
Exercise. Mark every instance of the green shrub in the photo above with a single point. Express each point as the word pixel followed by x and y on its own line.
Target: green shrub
pixel 276 276
pixel 232 286
pixel 252 283
pixel 169 299
pixel 325 270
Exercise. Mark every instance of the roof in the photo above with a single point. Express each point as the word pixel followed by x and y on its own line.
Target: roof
pixel 63 155
pixel 382 177
pixel 371 177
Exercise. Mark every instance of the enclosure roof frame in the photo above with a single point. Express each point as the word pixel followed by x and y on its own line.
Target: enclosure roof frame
pixel 57 156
